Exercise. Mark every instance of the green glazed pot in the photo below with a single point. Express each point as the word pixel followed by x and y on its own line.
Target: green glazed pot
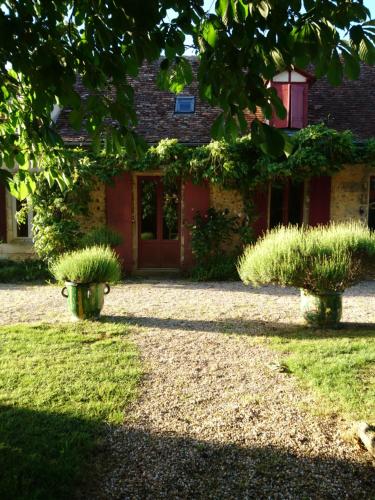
pixel 85 301
pixel 323 310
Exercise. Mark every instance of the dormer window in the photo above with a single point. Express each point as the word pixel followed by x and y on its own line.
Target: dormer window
pixel 185 104
pixel 292 88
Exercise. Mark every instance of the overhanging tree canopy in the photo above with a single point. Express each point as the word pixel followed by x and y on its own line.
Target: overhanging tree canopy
pixel 46 45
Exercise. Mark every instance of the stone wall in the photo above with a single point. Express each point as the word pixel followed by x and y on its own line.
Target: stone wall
pixel 349 193
pixel 226 198
pixel 220 199
pixel 96 211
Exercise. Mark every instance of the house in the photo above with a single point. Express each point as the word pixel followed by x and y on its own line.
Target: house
pixel 133 205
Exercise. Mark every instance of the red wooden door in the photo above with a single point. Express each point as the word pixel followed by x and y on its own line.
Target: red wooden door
pixel 119 215
pixel 320 200
pixel 158 224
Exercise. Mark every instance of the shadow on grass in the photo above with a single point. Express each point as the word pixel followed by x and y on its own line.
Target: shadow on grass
pixel 214 286
pixel 228 325
pixel 43 455
pixel 149 465
pixel 246 327
pixel 346 330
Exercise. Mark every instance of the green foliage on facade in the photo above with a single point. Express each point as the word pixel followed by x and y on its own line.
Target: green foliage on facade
pixel 315 150
pixel 211 235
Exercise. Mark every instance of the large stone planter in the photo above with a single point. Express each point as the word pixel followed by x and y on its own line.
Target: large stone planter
pixel 85 301
pixel 323 310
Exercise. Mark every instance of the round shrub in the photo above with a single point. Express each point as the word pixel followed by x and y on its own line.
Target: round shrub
pixel 317 259
pixel 97 264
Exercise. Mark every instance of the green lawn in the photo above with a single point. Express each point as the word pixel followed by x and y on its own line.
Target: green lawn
pixel 59 385
pixel 338 365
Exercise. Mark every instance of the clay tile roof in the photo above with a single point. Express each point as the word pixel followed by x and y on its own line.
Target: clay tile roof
pixel 349 106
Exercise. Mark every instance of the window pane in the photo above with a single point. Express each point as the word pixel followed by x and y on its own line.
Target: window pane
pixel 276 206
pixel 295 203
pixel 170 213
pixel 148 194
pixel 184 105
pixel 371 209
pixel 297 118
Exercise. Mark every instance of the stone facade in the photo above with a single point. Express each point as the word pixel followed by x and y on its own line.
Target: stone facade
pixel 231 199
pixel 350 193
pixel 220 199
pixel 96 216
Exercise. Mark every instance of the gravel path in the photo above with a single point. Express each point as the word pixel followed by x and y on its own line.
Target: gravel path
pixel 215 418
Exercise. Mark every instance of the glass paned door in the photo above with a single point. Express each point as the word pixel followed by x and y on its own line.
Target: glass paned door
pixel 158 223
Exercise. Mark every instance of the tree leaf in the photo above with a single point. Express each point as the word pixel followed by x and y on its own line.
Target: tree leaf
pixel 218 127
pixel 270 140
pixel 176 77
pixel 352 67
pixel 367 51
pixel 335 70
pixel 264 9
pixel 231 129
pixel 209 33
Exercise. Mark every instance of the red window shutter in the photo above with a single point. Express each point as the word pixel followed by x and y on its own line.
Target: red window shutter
pixel 298 113
pixel 3 220
pixel 320 200
pixel 282 90
pixel 119 215
pixel 261 210
pixel 196 198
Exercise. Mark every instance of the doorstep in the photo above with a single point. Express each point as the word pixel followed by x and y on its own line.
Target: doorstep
pixel 157 272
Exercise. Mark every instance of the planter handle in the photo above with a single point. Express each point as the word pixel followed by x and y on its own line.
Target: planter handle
pixel 107 289
pixel 64 291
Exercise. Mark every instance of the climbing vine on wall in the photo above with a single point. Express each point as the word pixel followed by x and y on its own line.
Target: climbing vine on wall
pixel 315 150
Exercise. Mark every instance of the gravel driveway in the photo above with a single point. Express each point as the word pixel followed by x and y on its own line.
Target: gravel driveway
pixel 215 418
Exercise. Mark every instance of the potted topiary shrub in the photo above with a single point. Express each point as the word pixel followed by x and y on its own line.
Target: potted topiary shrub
pixel 322 261
pixel 87 274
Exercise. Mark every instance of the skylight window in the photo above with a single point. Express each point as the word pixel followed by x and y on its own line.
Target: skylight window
pixel 184 104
